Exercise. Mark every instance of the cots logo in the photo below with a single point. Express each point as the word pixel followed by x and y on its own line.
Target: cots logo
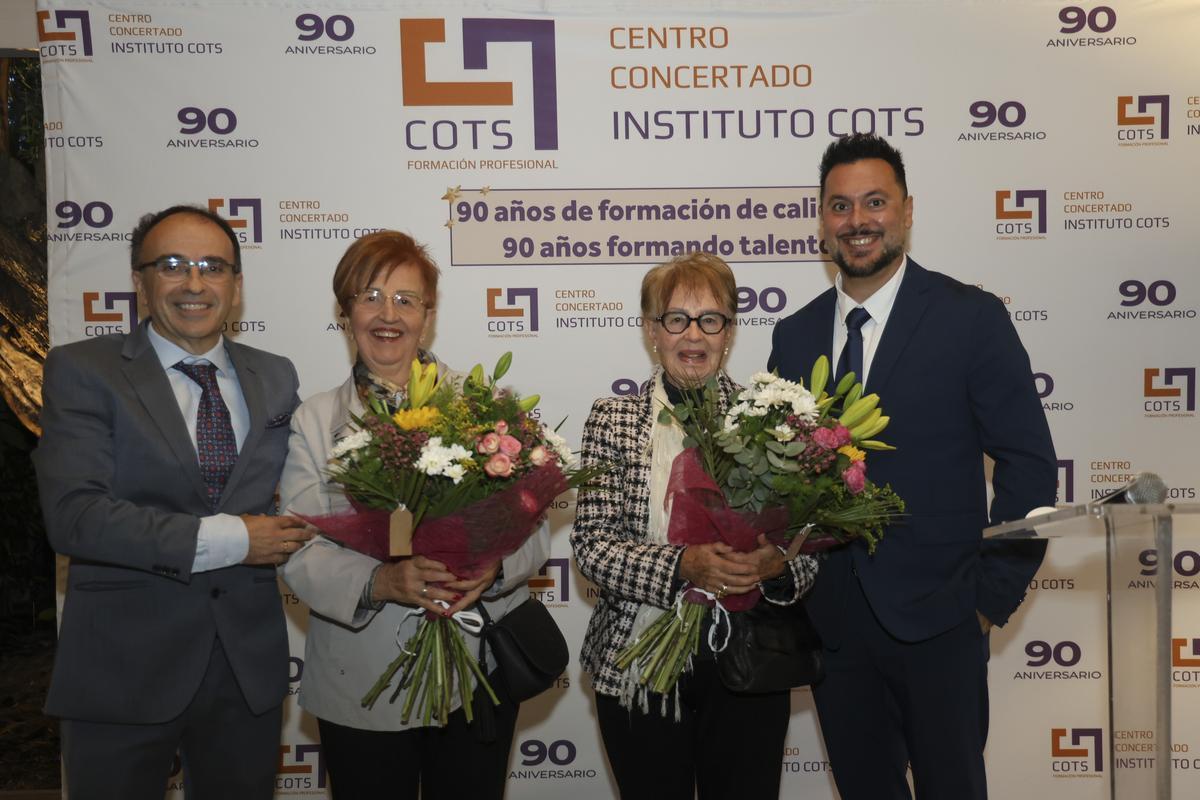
pixel 1176 382
pixel 1140 126
pixel 243 213
pixel 302 769
pixel 444 134
pixel 513 318
pixel 117 314
pixel 1185 652
pixel 1185 662
pixel 62 41
pixel 1077 755
pixel 1017 219
pixel 1066 481
pixel 552 591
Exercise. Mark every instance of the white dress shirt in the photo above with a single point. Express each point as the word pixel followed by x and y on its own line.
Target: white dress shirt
pixel 222 539
pixel 879 306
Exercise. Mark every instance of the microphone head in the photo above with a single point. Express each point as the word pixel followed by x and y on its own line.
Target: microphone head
pixel 1148 488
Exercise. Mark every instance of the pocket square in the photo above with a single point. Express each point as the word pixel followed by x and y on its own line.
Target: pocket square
pixel 279 420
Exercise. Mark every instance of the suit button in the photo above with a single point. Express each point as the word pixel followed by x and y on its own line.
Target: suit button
pixel 215 593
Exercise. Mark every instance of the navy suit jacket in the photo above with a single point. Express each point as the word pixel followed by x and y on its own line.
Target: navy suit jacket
pixel 954 378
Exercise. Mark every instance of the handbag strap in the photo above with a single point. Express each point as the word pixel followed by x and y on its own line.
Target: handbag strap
pixel 487 623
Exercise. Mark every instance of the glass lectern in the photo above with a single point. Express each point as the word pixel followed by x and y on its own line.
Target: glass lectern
pixel 1142 577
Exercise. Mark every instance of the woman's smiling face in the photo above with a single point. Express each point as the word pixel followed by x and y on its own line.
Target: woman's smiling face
pixel 692 357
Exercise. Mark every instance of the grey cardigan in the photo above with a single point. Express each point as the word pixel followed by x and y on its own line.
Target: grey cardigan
pixel 348 646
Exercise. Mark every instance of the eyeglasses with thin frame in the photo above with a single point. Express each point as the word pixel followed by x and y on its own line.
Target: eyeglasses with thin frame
pixel 710 322
pixel 374 299
pixel 177 268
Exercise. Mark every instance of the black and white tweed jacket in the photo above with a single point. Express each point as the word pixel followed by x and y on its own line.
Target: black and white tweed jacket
pixel 609 537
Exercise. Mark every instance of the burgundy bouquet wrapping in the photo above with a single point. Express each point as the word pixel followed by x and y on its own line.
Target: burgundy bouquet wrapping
pixel 701 515
pixel 466 540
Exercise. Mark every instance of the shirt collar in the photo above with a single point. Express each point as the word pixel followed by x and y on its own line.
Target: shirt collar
pixel 879 304
pixel 169 354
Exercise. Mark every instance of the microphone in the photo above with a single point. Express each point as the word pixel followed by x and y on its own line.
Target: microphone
pixel 1146 488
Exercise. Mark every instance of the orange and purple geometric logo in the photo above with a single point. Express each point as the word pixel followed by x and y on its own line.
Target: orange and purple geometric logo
pixel 477 34
pixel 552 589
pixel 69 27
pixel 1176 382
pixel 1185 652
pixel 527 294
pixel 1079 746
pixel 1026 204
pixel 117 314
pixel 244 212
pixel 1145 116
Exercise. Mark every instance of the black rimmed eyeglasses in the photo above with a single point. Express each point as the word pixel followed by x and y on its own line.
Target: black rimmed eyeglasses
pixel 677 322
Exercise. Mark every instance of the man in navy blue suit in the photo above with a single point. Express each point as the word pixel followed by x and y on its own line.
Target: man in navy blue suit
pixel 905 630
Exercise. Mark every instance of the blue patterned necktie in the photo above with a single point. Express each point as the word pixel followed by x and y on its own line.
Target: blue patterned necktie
pixel 851 359
pixel 216 444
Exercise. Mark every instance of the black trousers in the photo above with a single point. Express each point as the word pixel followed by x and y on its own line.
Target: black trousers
pixel 726 746
pixel 447 763
pixel 885 704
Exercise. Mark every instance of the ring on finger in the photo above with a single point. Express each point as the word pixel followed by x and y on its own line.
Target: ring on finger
pixel 425 590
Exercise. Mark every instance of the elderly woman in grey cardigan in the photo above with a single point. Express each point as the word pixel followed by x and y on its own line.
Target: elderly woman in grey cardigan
pixel 386 286
pixel 702 738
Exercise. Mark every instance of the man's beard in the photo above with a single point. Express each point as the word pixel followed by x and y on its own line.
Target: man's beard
pixel 886 257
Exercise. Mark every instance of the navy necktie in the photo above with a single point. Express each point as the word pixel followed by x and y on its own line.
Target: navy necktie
pixel 851 359
pixel 216 444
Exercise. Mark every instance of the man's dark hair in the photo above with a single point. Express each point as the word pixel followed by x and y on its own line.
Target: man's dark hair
pixel 147 223
pixel 858 146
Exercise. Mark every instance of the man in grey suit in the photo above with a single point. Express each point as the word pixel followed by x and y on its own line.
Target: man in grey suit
pixel 157 469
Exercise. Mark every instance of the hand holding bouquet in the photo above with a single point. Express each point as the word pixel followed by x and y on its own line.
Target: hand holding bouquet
pixel 785 462
pixel 469 472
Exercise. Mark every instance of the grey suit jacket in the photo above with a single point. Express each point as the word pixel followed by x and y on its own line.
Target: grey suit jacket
pixel 122 495
pixel 347 646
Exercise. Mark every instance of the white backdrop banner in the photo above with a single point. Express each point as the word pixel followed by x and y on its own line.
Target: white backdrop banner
pixel 548 153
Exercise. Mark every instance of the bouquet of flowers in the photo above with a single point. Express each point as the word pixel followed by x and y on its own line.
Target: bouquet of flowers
pixel 784 461
pixel 461 473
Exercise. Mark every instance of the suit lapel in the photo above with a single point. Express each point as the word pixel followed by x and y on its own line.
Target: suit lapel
pixel 818 336
pixel 814 336
pixel 911 302
pixel 145 374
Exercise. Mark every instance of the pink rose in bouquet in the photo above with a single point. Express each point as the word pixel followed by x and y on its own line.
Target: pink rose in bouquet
pixel 539 455
pixel 826 438
pixel 509 446
pixel 488 443
pixel 855 477
pixel 498 466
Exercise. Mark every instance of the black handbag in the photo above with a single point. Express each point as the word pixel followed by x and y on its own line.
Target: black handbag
pixel 770 649
pixel 530 650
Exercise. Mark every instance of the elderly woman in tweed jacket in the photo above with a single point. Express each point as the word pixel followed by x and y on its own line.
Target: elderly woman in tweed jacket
pixel 702 737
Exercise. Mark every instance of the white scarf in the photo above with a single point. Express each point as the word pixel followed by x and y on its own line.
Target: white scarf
pixel 666 442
